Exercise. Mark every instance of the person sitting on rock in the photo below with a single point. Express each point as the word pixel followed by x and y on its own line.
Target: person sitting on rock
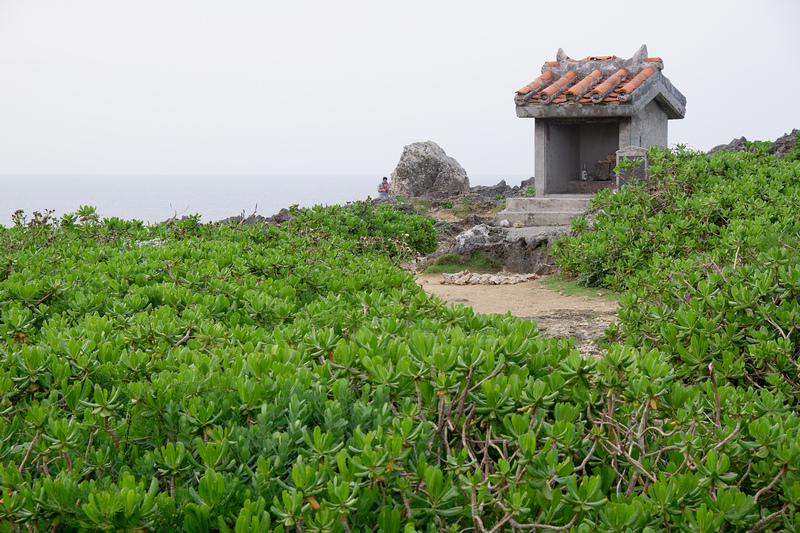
pixel 383 188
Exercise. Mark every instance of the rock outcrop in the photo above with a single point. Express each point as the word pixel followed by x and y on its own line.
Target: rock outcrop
pixel 784 144
pixel 425 170
pixel 779 148
pixel 501 190
pixel 518 250
pixel 736 145
pixel 279 218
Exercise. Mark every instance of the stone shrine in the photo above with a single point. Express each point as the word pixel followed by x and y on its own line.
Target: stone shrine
pixel 586 110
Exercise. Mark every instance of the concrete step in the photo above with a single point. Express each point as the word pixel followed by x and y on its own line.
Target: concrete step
pixel 553 210
pixel 538 218
pixel 579 203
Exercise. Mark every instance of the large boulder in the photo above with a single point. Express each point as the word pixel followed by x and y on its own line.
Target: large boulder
pixel 424 170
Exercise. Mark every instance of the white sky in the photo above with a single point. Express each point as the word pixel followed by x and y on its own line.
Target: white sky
pixel 339 87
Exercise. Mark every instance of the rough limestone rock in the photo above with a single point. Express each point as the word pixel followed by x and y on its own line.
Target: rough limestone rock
pixel 779 148
pixel 784 144
pixel 465 277
pixel 502 190
pixel 281 217
pixel 424 170
pixel 466 241
pixel 736 145
pixel 519 250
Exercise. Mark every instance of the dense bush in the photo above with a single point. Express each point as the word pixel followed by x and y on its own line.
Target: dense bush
pixel 709 249
pixel 291 378
pixel 385 229
pixel 717 210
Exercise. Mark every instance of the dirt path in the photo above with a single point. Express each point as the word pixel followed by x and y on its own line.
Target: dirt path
pixel 556 314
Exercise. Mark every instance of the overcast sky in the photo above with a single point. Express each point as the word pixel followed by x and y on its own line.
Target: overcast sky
pixel 339 87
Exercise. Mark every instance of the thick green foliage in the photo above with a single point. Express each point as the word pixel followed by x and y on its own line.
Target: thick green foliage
pixel 719 210
pixel 709 250
pixel 385 228
pixel 265 378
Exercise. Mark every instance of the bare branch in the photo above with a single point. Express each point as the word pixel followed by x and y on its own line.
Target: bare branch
pixel 761 525
pixel 546 526
pixel 771 484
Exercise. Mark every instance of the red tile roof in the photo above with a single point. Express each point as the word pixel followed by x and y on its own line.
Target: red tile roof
pixel 542 80
pixel 572 88
pixel 557 87
pixel 632 85
pixel 615 85
pixel 582 87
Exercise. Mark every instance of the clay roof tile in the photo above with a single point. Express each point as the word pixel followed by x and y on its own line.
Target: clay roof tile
pixel 599 93
pixel 536 84
pixel 583 86
pixel 637 81
pixel 596 87
pixel 558 86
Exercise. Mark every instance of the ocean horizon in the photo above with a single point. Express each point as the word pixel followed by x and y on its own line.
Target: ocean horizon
pixel 154 199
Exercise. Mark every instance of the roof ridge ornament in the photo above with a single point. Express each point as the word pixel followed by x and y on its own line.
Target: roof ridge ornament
pixel 640 55
pixel 561 55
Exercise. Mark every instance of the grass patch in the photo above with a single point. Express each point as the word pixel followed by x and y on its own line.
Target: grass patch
pixel 421 205
pixel 477 262
pixel 569 286
pixel 464 207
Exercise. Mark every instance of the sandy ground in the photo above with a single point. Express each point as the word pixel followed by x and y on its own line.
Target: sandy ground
pixel 556 314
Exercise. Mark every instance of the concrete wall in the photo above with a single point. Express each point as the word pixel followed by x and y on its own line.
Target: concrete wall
pixel 647 128
pixel 640 172
pixel 562 147
pixel 597 141
pixel 563 162
pixel 540 130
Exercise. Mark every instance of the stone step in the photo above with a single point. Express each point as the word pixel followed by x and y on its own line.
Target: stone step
pixel 553 210
pixel 538 218
pixel 577 203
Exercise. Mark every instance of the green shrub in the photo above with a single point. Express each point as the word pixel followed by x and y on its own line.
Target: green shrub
pixel 277 378
pixel 383 229
pixel 709 252
pixel 696 205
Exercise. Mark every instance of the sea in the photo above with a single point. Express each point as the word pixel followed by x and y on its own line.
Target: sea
pixel 154 199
